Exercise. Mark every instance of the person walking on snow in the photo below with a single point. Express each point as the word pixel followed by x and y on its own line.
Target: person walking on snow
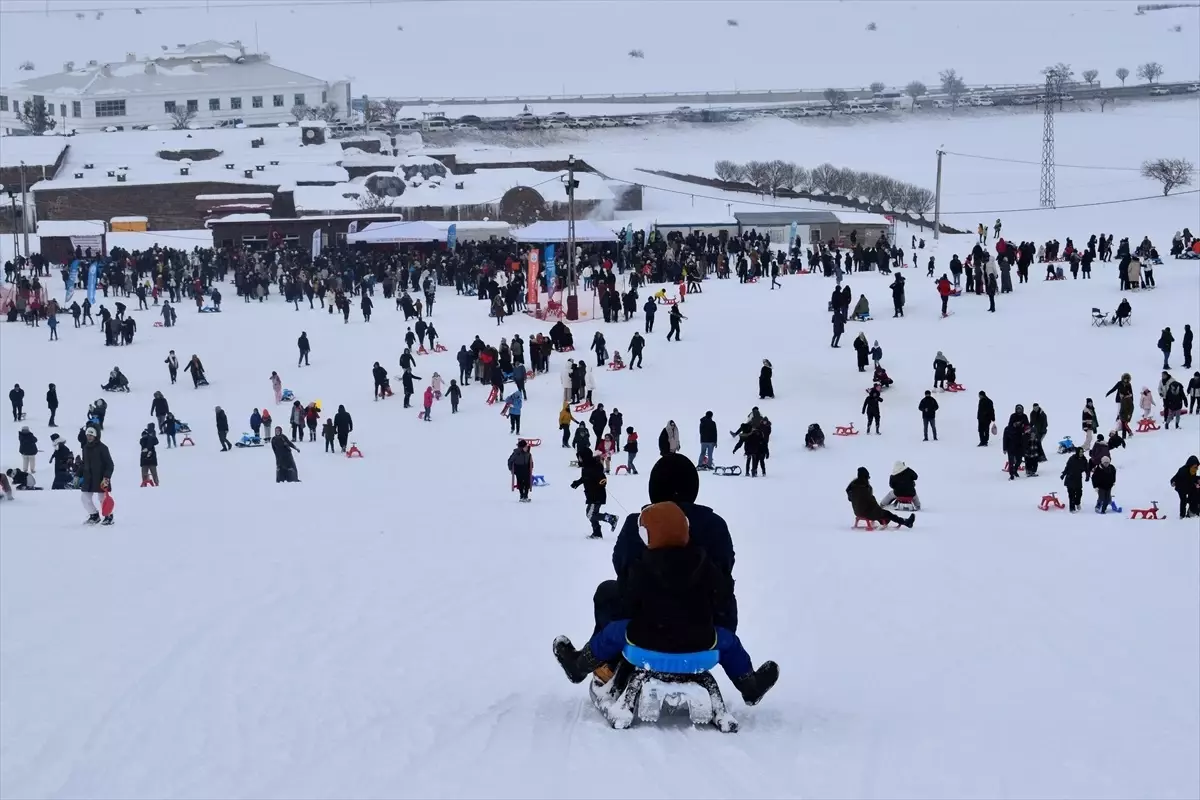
pixel 427 403
pixel 303 346
pixel 95 475
pixel 928 408
pixel 674 318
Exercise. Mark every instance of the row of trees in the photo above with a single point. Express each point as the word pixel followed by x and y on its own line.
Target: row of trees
pixel 879 190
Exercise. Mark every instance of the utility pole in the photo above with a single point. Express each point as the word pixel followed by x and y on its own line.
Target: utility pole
pixel 937 199
pixel 1047 186
pixel 572 298
pixel 24 211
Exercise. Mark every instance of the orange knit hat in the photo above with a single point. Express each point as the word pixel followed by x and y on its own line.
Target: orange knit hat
pixel 664 525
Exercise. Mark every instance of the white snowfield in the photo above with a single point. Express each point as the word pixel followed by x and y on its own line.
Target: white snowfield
pixel 383 628
pixel 685 48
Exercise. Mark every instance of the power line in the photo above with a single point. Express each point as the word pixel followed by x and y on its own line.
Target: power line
pixel 1038 163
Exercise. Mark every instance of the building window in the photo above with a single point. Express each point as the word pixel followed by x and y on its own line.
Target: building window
pixel 169 106
pixel 76 108
pixel 110 108
pixel 256 101
pixel 3 102
pixel 298 100
pixel 235 103
pixel 62 109
pixel 277 101
pixel 214 104
pixel 193 106
pixel 324 98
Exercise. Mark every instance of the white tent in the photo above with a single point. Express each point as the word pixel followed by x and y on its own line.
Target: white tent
pixel 397 233
pixel 556 231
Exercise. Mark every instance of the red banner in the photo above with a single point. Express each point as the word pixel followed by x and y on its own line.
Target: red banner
pixel 531 280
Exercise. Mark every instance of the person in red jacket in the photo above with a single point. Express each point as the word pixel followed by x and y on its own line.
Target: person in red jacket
pixel 427 401
pixel 605 448
pixel 944 289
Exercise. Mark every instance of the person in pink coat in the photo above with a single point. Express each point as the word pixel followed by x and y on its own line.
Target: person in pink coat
pixel 427 401
pixel 277 387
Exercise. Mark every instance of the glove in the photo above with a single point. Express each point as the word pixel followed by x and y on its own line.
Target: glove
pixel 104 485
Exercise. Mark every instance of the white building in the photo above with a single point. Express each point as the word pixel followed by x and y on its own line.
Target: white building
pixel 220 81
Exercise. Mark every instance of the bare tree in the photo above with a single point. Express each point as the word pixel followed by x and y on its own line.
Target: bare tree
pixel 1150 71
pixel 952 86
pixel 1122 74
pixel 1090 75
pixel 757 173
pixel 391 109
pixel 1057 78
pixel 36 117
pixel 921 201
pixel 729 171
pixel 844 181
pixel 822 178
pixel 375 113
pixel 915 90
pixel 877 87
pixel 803 179
pixel 327 112
pixel 1170 172
pixel 181 117
pixel 302 113
pixel 781 175
pixel 836 98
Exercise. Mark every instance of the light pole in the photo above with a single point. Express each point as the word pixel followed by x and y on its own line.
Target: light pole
pixel 12 198
pixel 572 298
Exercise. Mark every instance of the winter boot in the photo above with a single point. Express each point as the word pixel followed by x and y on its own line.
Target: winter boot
pixel 754 685
pixel 577 664
pixel 908 523
pixel 93 519
pixel 108 520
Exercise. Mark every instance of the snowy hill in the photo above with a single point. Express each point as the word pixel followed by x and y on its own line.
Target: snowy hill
pixel 383 628
pixel 480 48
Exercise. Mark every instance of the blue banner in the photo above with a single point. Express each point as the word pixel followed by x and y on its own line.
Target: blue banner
pixel 93 274
pixel 629 235
pixel 451 237
pixel 72 279
pixel 548 268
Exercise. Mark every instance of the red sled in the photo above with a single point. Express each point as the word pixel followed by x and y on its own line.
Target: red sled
pixel 158 324
pixel 530 374
pixel 955 387
pixel 107 504
pixel 492 397
pixel 621 468
pixel 421 351
pixel 1146 513
pixel 437 348
pixel 534 442
pixel 504 411
pixel 870 523
pixel 585 406
pixel 1146 425
pixel 845 430
pixel 1050 501
pixel 1020 468
pixel 187 442
pixel 354 452
pixel 148 482
pixel 612 367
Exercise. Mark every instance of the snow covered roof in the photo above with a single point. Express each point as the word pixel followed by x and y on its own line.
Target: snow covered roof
pixel 33 150
pixel 73 227
pixel 144 240
pixel 138 151
pixel 397 232
pixel 206 66
pixel 474 230
pixel 860 218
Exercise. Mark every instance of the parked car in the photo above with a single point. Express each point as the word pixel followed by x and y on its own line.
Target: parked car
pixel 559 115
pixel 1159 91
pixel 605 122
pixel 556 123
pixel 582 123
pixel 463 126
pixel 637 121
pixel 984 102
pixel 736 116
pixel 940 103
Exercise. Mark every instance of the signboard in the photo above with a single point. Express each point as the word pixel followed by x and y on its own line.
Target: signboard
pixel 531 286
pixel 550 268
pixel 451 237
pixel 353 228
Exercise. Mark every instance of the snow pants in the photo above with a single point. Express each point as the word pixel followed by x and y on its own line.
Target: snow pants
pixel 608 643
pixel 1103 500
pixel 1074 496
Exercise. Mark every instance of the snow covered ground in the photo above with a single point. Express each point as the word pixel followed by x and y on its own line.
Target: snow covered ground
pixel 384 627
pixel 391 48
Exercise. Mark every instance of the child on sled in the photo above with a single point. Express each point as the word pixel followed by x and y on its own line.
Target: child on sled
pixel 673 591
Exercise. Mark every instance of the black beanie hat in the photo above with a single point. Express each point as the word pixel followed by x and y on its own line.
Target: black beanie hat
pixel 863 474
pixel 674 479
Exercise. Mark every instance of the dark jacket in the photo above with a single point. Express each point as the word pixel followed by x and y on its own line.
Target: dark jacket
pixel 302 343
pixel 282 446
pixel 52 398
pixel 27 443
pixel 928 407
pixel 97 465
pixel 342 421
pixel 1015 442
pixel 673 597
pixel 149 457
pixel 62 459
pixel 708 430
pixel 986 411
pixel 707 530
pixel 222 422
pixel 1104 477
pixel 17 397
pixel 591 477
pixel 159 406
pixel 1075 471
pixel 1037 418
pixel 1184 480
pixel 520 462
pixel 904 483
pixel 862 499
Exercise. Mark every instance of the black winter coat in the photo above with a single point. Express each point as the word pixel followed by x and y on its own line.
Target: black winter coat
pixel 149 457
pixel 52 398
pixel 1104 477
pixel 222 422
pixel 707 530
pixel 708 430
pixel 159 407
pixel 283 447
pixel 987 411
pixel 904 484
pixel 27 443
pixel 17 397
pixel 1075 471
pixel 1037 418
pixel 1016 443
pixel 62 459
pixel 765 387
pixel 591 477
pixel 97 465
pixel 862 499
pixel 673 596
pixel 928 407
pixel 342 422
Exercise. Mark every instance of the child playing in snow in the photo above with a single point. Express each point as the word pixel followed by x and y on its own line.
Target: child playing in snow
pixel 436 383
pixel 604 451
pixel 1147 403
pixel 631 449
pixel 672 591
pixel 617 363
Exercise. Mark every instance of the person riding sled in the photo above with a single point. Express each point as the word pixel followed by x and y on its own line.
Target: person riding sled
pixel 673 592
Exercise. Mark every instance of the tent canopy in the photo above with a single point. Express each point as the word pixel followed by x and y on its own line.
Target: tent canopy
pixel 556 231
pixel 397 233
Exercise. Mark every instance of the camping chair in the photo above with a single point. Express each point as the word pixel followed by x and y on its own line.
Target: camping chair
pixel 1100 319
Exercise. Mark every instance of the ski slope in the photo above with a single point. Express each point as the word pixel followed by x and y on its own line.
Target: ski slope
pixel 383 628
pixel 481 48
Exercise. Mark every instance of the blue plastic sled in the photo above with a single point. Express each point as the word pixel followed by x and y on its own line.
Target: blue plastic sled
pixel 210 310
pixel 540 480
pixel 646 681
pixel 287 396
pixel 249 440
pixel 1066 445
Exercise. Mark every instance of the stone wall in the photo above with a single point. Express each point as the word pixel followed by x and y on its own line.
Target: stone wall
pixel 168 206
